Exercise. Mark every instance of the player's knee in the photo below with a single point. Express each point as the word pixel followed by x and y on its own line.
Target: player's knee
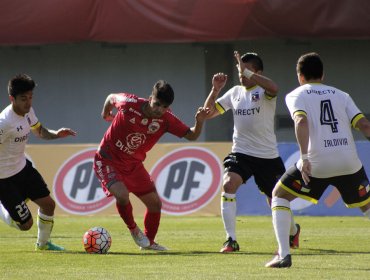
pixel 229 187
pixel 26 226
pixel 155 205
pixel 123 200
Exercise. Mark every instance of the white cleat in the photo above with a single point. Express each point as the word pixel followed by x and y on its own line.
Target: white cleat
pixel 140 238
pixel 155 247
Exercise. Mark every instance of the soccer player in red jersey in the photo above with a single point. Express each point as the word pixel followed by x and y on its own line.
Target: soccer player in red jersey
pixel 136 126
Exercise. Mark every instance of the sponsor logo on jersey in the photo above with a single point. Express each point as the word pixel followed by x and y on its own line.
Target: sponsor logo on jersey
pixel 153 127
pixel 187 179
pixel 21 138
pixel 132 110
pixel 247 112
pixel 76 188
pixel 255 96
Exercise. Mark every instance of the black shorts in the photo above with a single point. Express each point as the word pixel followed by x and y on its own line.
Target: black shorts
pixel 15 190
pixel 266 172
pixel 354 188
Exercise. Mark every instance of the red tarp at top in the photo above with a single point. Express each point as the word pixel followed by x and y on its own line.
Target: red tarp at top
pixel 29 22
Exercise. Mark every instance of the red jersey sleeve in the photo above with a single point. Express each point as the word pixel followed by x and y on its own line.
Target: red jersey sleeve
pixel 120 99
pixel 176 126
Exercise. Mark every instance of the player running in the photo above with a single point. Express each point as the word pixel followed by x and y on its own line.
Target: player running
pixel 19 180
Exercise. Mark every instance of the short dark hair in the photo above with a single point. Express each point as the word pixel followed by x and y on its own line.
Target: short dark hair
pixel 164 92
pixel 19 84
pixel 310 66
pixel 254 59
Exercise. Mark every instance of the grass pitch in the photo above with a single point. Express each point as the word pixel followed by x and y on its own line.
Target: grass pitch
pixel 331 248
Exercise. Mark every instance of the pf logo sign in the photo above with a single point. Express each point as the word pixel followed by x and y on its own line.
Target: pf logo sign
pixel 76 188
pixel 187 179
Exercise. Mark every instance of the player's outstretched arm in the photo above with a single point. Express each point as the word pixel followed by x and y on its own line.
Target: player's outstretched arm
pixel 49 134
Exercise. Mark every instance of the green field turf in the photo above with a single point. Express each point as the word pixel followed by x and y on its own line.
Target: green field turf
pixel 331 248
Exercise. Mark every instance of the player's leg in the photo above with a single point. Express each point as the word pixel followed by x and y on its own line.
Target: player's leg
pixel 125 210
pixel 112 182
pixel 288 188
pixel 35 188
pixel 236 173
pixel 152 218
pixel 355 191
pixel 45 223
pixel 13 208
pixel 231 183
pixel 266 174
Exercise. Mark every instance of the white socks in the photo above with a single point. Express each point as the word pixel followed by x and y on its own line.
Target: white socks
pixel 5 216
pixel 281 219
pixel 45 225
pixel 228 212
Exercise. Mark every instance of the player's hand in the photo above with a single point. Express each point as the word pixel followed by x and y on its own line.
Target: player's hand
pixel 240 64
pixel 64 132
pixel 219 81
pixel 306 171
pixel 202 114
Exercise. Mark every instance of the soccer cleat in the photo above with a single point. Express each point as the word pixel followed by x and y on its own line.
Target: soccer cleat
pixel 294 239
pixel 155 247
pixel 140 238
pixel 230 246
pixel 278 262
pixel 49 247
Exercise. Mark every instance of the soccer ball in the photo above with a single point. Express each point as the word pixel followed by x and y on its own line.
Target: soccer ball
pixel 97 240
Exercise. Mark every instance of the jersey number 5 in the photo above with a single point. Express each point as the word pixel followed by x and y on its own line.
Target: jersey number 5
pixel 327 116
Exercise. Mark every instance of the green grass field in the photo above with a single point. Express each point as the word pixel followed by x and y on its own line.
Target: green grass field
pixel 331 248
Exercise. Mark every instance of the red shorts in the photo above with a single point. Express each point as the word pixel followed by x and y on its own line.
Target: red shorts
pixel 131 173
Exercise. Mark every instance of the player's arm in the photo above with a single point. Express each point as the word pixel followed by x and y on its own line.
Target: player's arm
pixel 363 125
pixel 218 82
pixel 302 135
pixel 49 134
pixel 200 116
pixel 266 83
pixel 107 111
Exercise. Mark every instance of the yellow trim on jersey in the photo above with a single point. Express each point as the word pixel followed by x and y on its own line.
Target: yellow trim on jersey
pixel 356 119
pixel 269 97
pixel 299 112
pixel 251 88
pixel 219 108
pixel 359 204
pixel 36 126
pixel 310 199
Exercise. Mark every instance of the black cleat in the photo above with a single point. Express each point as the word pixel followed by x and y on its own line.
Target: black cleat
pixel 279 262
pixel 230 246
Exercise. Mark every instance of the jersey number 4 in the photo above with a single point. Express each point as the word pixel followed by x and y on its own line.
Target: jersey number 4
pixel 327 116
